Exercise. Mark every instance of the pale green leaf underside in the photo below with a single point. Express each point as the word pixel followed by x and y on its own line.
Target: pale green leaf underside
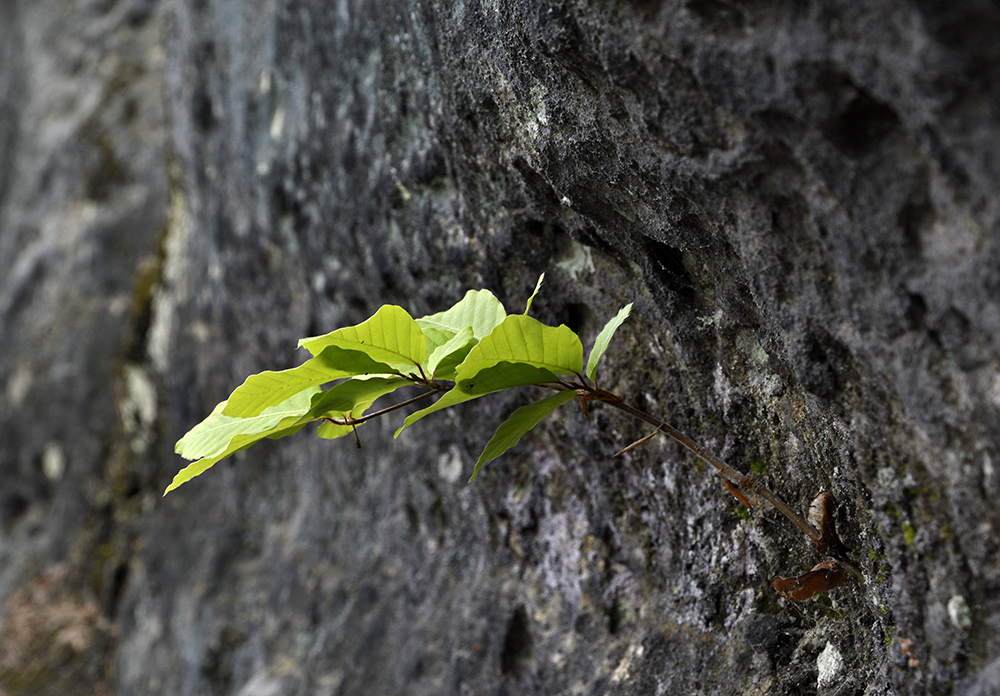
pixel 331 431
pixel 238 444
pixel 391 336
pixel 435 334
pixel 521 339
pixel 604 338
pixel 214 434
pixel 203 441
pixel 194 469
pixel 443 360
pixel 478 310
pixel 538 286
pixel 519 424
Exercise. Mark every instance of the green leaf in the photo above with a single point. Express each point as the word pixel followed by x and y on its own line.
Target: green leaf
pixel 521 339
pixel 519 351
pixel 443 360
pixel 214 434
pixel 604 338
pixel 194 469
pixel 505 375
pixel 519 424
pixel 391 336
pixel 220 436
pixel 538 286
pixel 353 396
pixel 271 388
pixel 492 379
pixel 238 444
pixel 478 310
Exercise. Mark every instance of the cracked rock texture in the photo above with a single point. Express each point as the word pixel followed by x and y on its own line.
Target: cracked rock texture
pixel 799 197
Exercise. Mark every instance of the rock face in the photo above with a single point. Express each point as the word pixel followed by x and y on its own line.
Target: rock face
pixel 800 199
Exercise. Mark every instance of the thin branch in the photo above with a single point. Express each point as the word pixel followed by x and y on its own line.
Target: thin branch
pixel 637 443
pixel 349 420
pixel 727 472
pixel 748 484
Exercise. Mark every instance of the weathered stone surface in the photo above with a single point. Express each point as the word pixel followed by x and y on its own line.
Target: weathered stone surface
pixel 798 197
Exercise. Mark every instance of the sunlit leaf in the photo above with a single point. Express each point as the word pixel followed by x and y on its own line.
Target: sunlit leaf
pixel 194 469
pixel 492 379
pixel 351 398
pixel 238 444
pixel 538 286
pixel 473 343
pixel 604 338
pixel 214 434
pixel 519 423
pixel 521 339
pixel 271 388
pixel 443 360
pixel 220 436
pixel 478 310
pixel 353 395
pixel 391 336
pixel 520 351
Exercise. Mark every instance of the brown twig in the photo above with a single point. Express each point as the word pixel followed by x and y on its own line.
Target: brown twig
pixel 730 476
pixel 727 472
pixel 638 442
pixel 734 480
pixel 349 420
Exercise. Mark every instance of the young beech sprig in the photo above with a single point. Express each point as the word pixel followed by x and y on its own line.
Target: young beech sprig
pixel 472 349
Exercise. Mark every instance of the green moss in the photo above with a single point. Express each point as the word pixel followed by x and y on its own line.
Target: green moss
pixel 909 532
pixel 622 614
pixel 767 603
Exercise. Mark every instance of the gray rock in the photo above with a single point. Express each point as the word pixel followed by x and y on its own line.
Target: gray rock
pixel 799 198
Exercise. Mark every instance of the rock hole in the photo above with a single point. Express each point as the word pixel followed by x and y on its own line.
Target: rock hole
pixel 518 648
pixel 823 365
pixel 862 125
pixel 579 318
pixel 622 615
pixel 916 311
pixel 667 264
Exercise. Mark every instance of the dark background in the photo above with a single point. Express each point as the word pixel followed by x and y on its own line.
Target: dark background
pixel 801 199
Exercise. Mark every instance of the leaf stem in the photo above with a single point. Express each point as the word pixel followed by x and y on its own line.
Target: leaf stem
pixel 349 420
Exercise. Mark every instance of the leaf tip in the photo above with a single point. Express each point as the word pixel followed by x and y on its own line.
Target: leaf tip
pixel 538 286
